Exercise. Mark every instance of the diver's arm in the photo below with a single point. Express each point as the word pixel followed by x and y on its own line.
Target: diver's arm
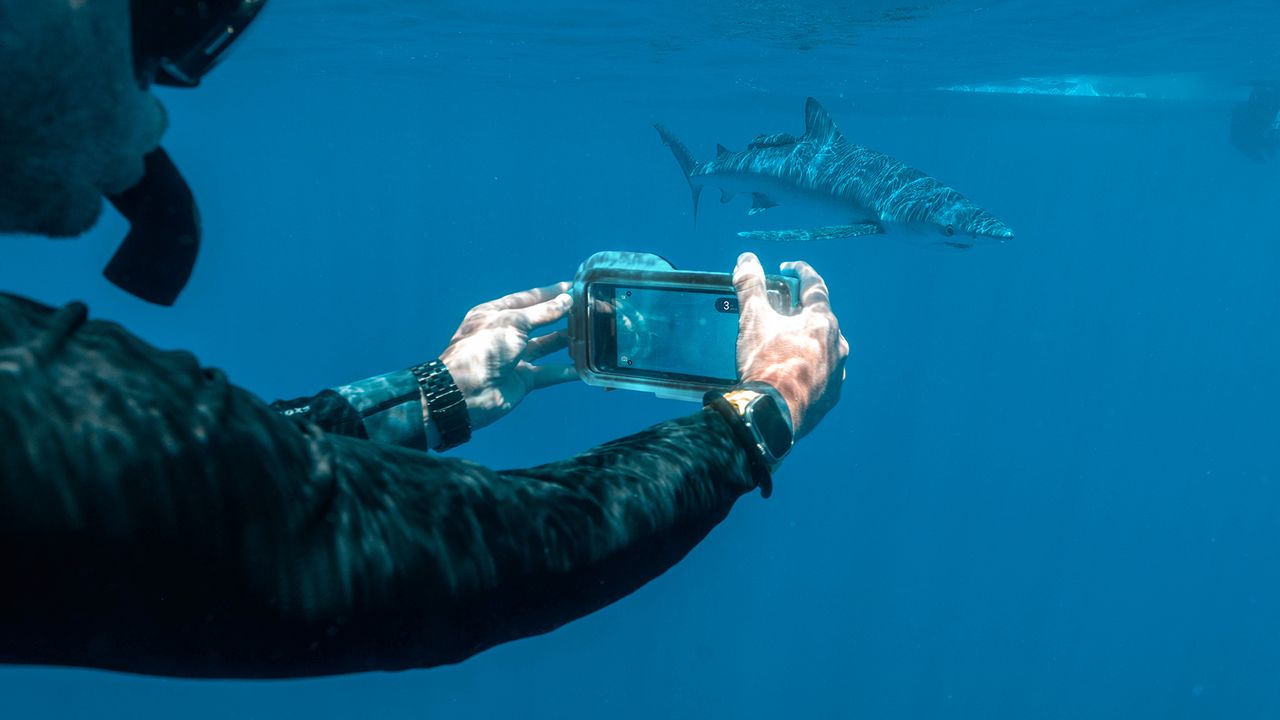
pixel 386 408
pixel 155 519
pixel 490 358
pixel 406 560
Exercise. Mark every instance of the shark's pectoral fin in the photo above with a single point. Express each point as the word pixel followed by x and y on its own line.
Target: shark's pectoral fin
pixel 830 232
pixel 726 196
pixel 759 203
pixel 957 245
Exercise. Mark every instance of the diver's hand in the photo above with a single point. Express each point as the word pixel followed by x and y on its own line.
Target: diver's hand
pixel 801 355
pixel 491 356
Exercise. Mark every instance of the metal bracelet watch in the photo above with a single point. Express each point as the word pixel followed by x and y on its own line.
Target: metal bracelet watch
pixel 445 404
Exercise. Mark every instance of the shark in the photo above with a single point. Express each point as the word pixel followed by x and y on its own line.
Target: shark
pixel 878 194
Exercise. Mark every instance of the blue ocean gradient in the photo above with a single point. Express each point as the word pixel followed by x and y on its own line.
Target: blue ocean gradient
pixel 1051 489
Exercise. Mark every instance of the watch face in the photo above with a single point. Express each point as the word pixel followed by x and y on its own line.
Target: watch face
pixel 767 417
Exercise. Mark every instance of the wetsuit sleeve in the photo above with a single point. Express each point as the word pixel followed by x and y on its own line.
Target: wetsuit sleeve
pixel 386 408
pixel 155 518
pixel 328 411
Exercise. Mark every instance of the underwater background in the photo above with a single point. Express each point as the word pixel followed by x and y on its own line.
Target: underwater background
pixel 1052 488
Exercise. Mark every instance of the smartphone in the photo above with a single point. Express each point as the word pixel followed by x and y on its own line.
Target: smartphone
pixel 673 333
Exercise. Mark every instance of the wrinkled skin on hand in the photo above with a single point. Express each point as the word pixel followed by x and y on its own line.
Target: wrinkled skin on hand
pixel 801 355
pixel 491 355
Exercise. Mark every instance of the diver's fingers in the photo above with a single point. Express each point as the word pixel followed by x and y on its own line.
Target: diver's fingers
pixel 546 312
pixel 748 283
pixel 525 298
pixel 548 375
pixel 813 289
pixel 544 345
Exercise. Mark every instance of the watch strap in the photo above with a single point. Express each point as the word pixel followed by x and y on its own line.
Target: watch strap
pixel 760 470
pixel 446 406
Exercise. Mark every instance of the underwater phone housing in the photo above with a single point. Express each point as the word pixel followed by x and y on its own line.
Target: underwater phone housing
pixel 639 324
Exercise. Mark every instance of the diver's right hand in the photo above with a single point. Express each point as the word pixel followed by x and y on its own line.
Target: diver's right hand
pixel 801 355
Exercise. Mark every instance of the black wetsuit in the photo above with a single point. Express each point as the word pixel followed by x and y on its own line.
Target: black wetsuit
pixel 155 518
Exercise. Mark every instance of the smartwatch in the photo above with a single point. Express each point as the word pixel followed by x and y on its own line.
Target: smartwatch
pixel 761 421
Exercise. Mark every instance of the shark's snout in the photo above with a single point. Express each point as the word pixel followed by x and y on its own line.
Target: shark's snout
pixel 982 224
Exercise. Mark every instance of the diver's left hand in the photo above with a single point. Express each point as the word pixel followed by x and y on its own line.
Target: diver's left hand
pixel 491 356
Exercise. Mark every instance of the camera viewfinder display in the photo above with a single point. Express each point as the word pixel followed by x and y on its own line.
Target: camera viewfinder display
pixel 676 331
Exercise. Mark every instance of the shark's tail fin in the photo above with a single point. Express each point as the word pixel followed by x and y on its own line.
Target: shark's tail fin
pixel 687 163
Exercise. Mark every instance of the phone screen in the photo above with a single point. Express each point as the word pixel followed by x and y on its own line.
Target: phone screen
pixel 670 333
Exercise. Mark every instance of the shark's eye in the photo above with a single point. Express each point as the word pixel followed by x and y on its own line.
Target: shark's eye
pixel 949 231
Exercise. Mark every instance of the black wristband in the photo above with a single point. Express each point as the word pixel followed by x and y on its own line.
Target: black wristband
pixel 446 407
pixel 760 471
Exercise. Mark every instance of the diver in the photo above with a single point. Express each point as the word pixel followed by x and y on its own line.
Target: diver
pixel 155 518
pixel 1255 124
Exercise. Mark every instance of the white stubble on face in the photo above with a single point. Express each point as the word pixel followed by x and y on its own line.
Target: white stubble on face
pixel 75 125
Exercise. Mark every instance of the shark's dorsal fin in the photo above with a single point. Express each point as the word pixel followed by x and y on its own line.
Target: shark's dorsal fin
pixel 721 150
pixel 818 125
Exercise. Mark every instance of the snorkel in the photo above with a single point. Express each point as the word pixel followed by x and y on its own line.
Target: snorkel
pixel 175 43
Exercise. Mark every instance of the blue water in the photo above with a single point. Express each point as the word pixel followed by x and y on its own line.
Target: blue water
pixel 1052 487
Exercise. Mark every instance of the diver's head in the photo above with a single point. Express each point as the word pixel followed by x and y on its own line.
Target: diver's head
pixel 74 125
pixel 175 43
pixel 77 123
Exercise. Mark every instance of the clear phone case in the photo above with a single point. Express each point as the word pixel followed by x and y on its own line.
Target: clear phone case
pixel 649 270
